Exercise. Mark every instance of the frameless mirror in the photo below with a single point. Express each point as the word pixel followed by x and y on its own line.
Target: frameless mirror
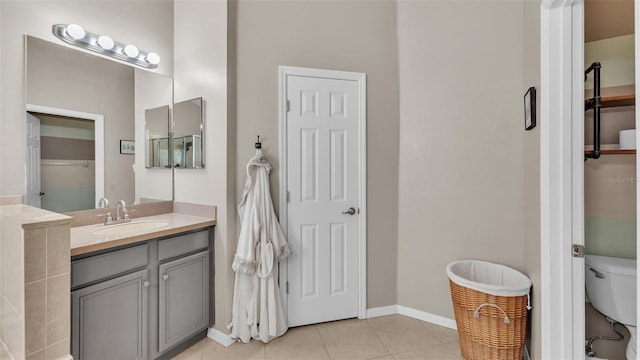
pixel 156 131
pixel 72 166
pixel 188 132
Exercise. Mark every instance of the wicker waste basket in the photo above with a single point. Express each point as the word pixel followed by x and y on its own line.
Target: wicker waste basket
pixel 490 302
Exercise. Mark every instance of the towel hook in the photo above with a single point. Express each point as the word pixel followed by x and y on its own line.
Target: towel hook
pixel 258 143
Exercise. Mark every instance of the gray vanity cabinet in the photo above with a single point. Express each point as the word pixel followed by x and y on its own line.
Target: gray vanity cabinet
pixel 110 319
pixel 182 316
pixel 149 300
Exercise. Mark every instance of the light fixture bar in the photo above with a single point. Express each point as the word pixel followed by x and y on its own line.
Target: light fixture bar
pixel 72 34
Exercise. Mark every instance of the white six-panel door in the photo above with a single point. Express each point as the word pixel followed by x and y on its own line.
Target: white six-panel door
pixel 322 142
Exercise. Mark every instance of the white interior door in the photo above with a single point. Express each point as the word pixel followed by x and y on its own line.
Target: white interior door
pixel 33 162
pixel 322 156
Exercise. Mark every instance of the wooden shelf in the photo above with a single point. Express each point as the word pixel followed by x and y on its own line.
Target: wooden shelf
pixel 613 152
pixel 618 100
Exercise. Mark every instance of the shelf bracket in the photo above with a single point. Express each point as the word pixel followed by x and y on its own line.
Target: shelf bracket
pixel 594 103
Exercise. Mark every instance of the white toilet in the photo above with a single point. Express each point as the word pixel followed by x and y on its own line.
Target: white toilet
pixel 611 287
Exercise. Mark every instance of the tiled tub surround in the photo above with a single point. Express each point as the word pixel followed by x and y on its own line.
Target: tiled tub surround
pixel 34 283
pixel 35 252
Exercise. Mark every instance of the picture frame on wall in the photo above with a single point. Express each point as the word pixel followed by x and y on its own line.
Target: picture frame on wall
pixel 530 109
pixel 127 147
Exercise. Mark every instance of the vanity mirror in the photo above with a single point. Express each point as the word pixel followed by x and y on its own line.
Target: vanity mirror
pixel 188 132
pixel 156 134
pixel 79 109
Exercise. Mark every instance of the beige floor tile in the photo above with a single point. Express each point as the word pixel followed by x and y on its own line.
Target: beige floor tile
pixel 443 334
pixel 435 352
pixel 352 340
pixel 298 343
pixel 454 347
pixel 192 353
pixel 253 350
pixel 401 334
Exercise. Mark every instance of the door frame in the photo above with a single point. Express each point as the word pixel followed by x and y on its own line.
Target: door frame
pixel 360 79
pixel 98 121
pixel 562 178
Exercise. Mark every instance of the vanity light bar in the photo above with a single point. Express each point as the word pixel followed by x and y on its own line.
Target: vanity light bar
pixel 75 35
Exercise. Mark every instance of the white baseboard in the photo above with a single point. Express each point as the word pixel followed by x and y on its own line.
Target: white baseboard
pixel 412 313
pixel 428 317
pixel 220 337
pixel 382 311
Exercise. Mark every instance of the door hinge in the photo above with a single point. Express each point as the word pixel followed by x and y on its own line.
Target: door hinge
pixel 577 251
pixel 288 196
pixel 287 287
pixel 287 106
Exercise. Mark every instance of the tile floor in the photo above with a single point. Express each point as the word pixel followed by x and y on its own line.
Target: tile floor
pixel 393 337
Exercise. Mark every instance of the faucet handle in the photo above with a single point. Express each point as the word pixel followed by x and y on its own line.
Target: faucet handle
pixel 126 216
pixel 108 219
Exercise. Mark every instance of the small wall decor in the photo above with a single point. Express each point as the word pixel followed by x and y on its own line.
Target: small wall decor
pixel 127 147
pixel 530 109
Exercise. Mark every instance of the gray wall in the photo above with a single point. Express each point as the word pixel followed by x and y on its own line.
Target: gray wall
pixel 66 79
pixel 461 187
pixel 339 35
pixel 531 156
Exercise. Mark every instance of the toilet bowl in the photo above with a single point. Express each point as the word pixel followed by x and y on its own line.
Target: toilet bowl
pixel 611 286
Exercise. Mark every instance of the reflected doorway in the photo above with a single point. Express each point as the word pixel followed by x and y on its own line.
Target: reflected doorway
pixel 65 159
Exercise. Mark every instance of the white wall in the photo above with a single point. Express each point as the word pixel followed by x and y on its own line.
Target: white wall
pixel 531 156
pixel 147 24
pixel 200 70
pixel 461 191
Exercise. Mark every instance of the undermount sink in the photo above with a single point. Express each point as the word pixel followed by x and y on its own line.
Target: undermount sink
pixel 130 227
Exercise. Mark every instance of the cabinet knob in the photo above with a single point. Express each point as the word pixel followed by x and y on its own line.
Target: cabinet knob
pixel 165 277
pixel 146 284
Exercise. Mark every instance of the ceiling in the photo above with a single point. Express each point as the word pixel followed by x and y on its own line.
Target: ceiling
pixel 605 19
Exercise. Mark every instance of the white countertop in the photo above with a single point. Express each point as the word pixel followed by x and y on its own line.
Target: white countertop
pixel 83 240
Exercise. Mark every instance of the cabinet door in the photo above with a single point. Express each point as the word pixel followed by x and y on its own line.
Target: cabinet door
pixel 109 319
pixel 184 299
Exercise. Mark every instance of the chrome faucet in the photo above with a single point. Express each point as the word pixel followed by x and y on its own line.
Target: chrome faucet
pixel 103 203
pixel 122 214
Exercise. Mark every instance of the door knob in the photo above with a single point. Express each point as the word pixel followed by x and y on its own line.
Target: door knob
pixel 350 211
pixel 165 277
pixel 146 284
pixel 41 193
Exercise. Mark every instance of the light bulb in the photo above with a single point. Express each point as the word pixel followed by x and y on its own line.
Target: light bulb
pixel 105 42
pixel 153 58
pixel 76 31
pixel 131 51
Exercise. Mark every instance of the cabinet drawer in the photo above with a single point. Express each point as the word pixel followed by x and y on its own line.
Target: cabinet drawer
pixel 183 244
pixel 103 266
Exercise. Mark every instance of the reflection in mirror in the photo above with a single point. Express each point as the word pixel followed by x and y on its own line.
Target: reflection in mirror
pixel 111 98
pixel 188 131
pixel 157 137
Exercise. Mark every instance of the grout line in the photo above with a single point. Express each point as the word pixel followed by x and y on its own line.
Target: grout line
pixel 324 344
pixel 379 338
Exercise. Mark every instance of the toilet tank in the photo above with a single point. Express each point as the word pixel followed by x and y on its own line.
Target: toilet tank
pixel 611 287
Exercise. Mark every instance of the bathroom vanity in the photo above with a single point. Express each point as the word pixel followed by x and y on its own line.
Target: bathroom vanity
pixel 144 294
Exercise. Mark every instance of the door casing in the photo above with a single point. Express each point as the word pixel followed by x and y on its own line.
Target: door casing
pixel 360 78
